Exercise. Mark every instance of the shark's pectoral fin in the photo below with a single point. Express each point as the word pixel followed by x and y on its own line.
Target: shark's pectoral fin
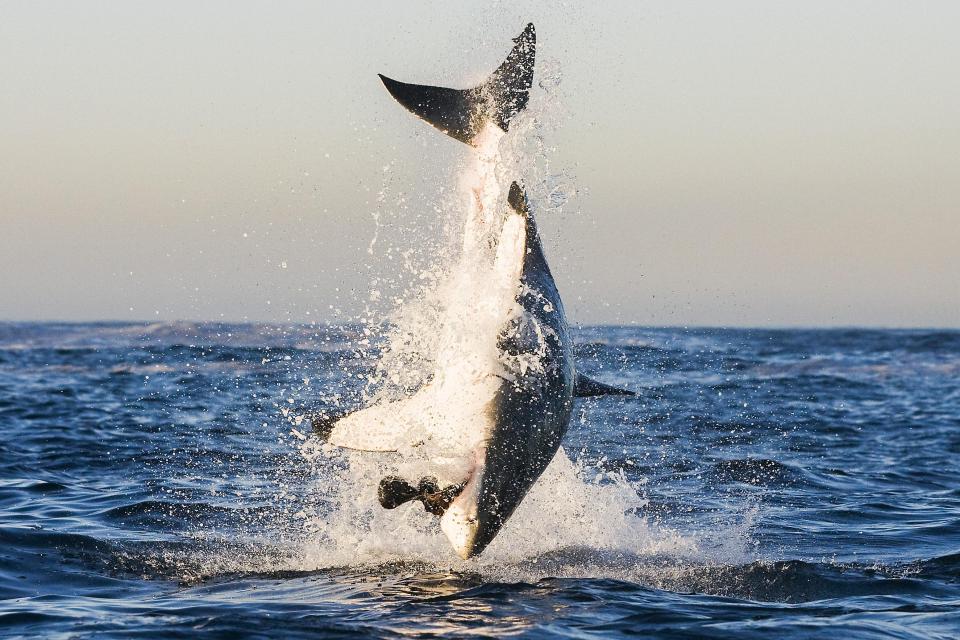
pixel 323 422
pixel 463 113
pixel 375 428
pixel 585 387
pixel 394 491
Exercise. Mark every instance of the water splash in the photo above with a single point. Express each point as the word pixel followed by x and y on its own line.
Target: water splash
pixel 443 324
pixel 576 521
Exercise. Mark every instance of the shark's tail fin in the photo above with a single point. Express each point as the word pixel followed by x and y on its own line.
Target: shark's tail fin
pixel 462 113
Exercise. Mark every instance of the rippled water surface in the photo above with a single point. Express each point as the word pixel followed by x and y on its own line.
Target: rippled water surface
pixel 157 480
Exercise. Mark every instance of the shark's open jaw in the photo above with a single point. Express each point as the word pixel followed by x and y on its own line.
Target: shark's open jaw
pixel 499 400
pixel 461 521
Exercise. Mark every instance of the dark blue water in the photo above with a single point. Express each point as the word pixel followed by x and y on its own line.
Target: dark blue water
pixel 154 481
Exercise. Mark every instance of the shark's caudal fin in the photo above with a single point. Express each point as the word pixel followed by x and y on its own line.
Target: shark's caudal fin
pixel 585 387
pixel 462 113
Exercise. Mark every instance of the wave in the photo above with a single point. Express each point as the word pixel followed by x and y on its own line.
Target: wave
pixel 787 581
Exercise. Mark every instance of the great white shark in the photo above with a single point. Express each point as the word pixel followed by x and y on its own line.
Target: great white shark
pixel 495 410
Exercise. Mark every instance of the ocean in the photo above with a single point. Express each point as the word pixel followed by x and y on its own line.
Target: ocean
pixel 161 480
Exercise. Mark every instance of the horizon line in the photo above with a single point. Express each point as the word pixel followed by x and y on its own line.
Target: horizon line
pixel 577 325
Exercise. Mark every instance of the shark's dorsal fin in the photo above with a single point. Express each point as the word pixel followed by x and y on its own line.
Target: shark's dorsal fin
pixel 585 387
pixel 463 113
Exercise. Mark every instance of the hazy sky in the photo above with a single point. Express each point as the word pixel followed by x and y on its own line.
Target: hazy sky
pixel 739 163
